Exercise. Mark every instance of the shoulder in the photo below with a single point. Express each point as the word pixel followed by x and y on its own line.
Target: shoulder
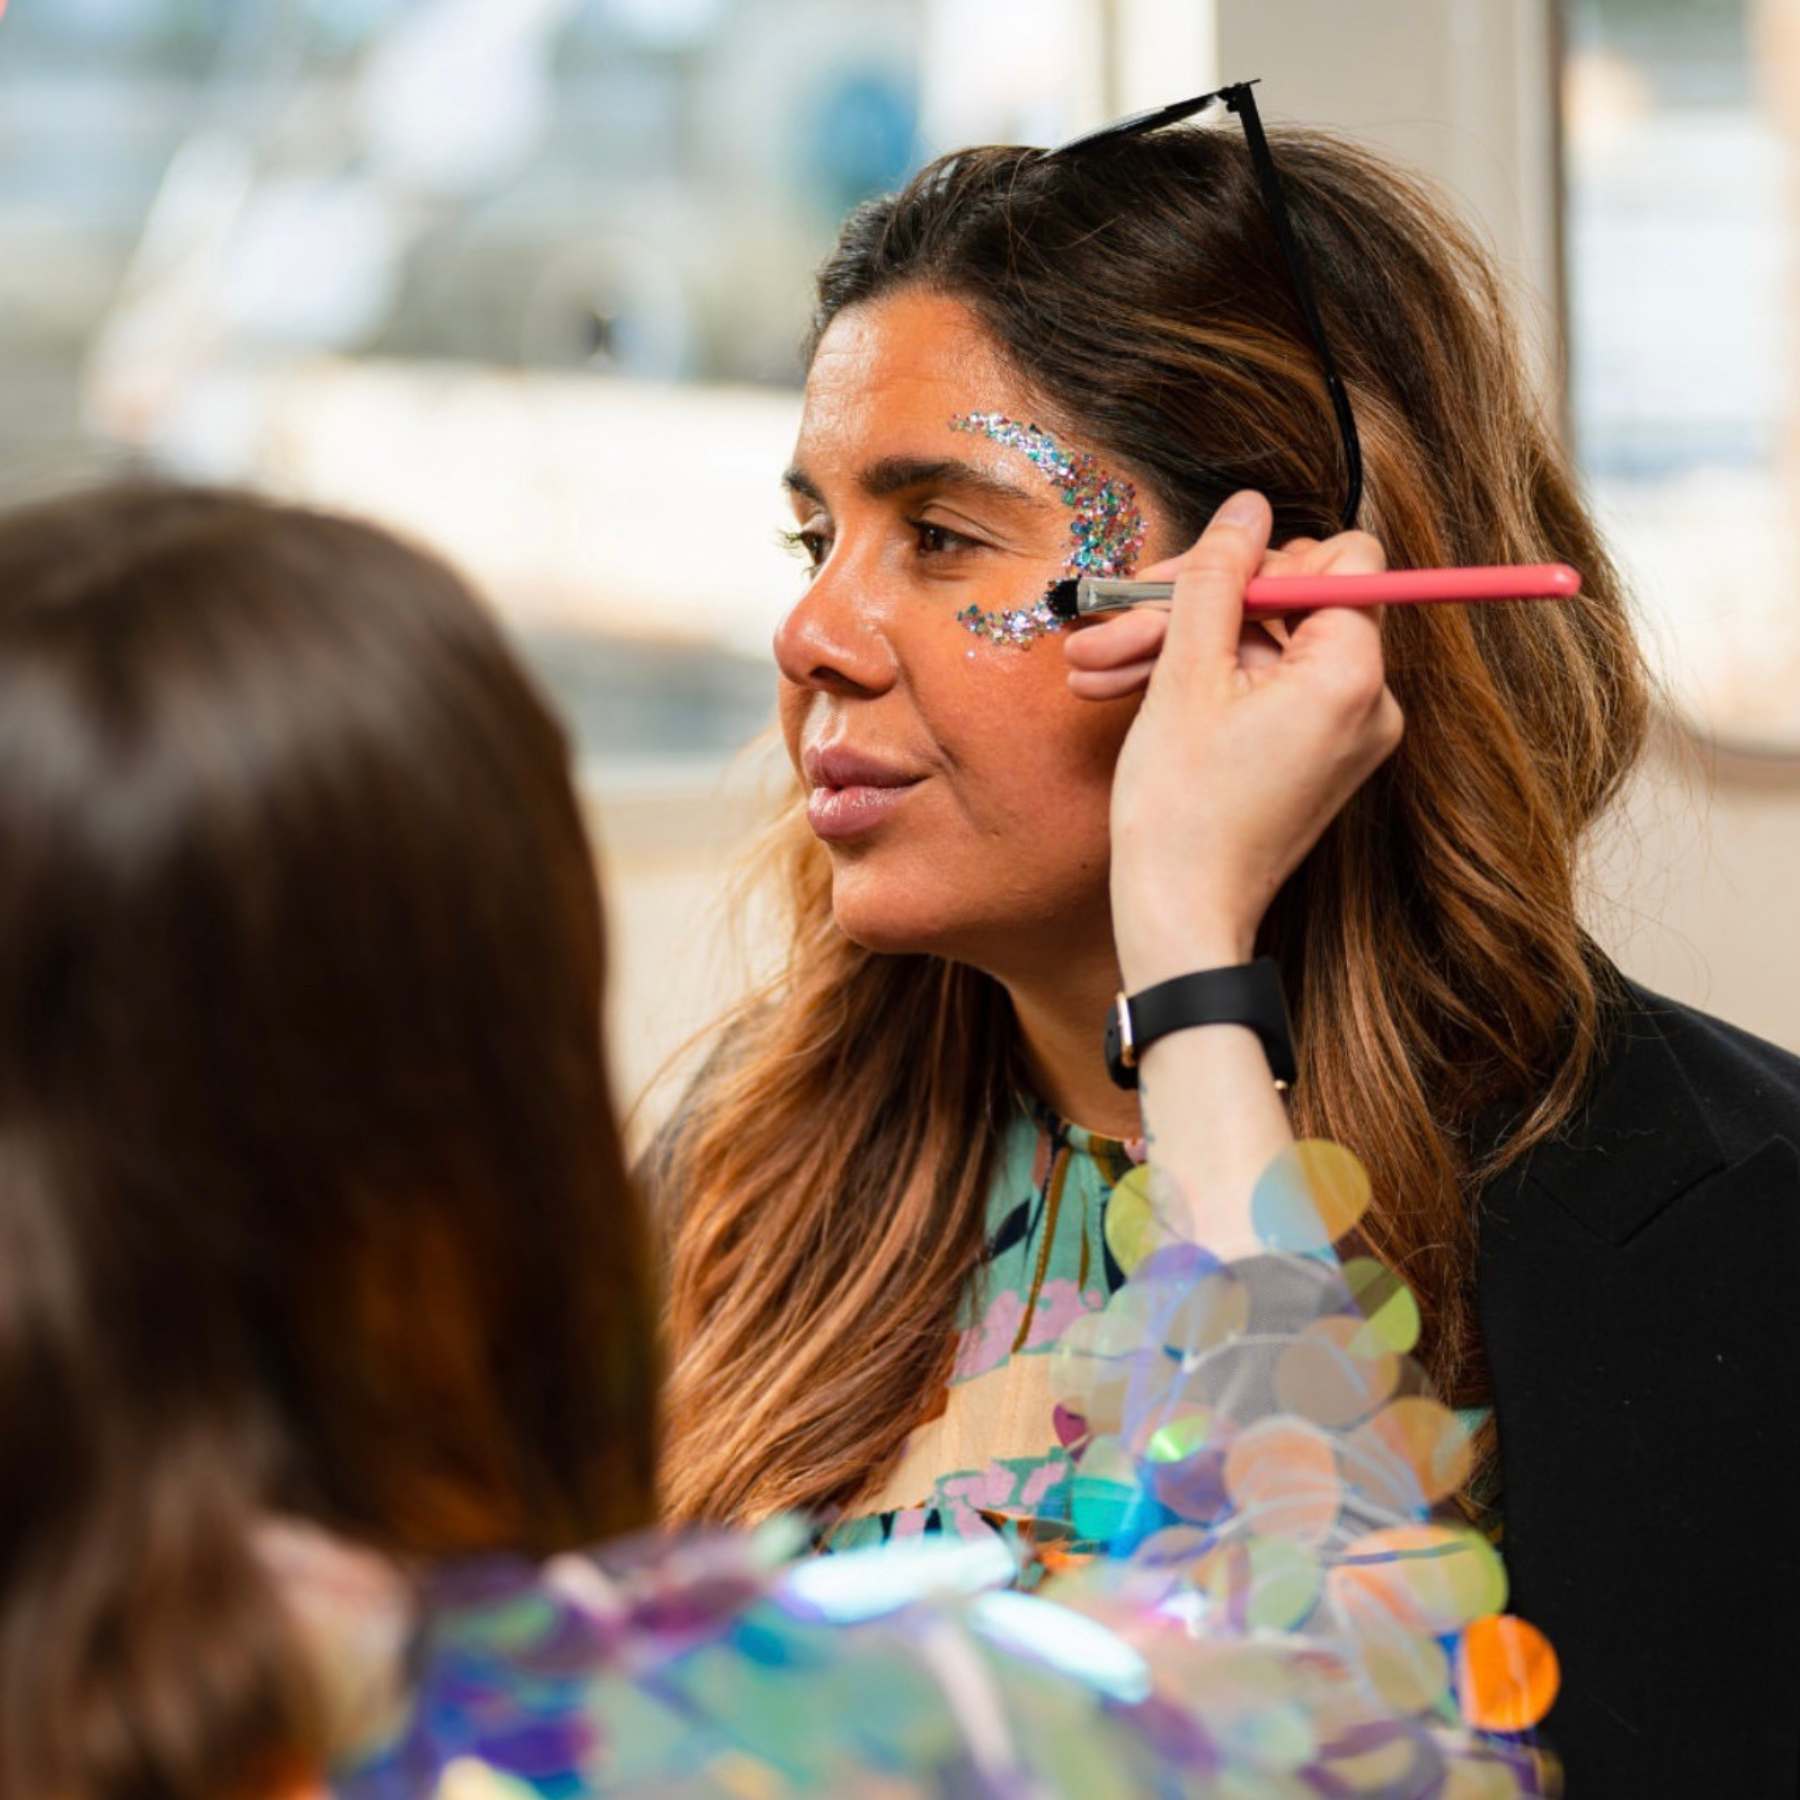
pixel 1679 1100
pixel 1746 1087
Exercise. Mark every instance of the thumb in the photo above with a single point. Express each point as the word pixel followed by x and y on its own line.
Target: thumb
pixel 1207 615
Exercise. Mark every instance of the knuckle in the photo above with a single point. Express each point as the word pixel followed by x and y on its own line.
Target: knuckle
pixel 1390 725
pixel 1360 548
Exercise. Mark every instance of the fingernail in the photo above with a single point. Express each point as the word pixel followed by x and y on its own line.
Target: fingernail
pixel 1241 511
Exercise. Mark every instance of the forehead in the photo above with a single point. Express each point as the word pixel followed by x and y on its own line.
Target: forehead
pixel 899 367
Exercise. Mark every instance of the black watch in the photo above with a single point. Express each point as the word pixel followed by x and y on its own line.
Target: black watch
pixel 1245 994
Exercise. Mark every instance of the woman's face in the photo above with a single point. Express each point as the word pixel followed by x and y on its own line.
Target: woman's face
pixel 959 787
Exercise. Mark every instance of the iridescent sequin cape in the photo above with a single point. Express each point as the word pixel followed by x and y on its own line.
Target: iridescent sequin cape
pixel 1253 1598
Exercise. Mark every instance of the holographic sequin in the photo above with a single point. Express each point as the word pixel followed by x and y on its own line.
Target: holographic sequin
pixel 1107 531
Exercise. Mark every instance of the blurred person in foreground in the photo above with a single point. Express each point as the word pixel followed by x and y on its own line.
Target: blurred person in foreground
pixel 892 1192
pixel 328 1358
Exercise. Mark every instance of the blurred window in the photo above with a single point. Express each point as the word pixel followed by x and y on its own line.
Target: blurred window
pixel 524 277
pixel 1682 123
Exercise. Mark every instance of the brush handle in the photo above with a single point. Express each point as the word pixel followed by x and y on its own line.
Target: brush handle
pixel 1297 593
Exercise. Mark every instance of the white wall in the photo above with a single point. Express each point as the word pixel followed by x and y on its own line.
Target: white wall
pixel 1461 89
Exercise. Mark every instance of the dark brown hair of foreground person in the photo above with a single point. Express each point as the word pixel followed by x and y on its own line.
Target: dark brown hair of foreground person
pixel 830 1175
pixel 310 1199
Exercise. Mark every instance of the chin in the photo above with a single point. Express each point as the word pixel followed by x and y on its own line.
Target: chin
pixel 1006 929
pixel 891 936
pixel 895 923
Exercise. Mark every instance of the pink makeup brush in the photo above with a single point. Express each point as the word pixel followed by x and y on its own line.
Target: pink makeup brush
pixel 1092 596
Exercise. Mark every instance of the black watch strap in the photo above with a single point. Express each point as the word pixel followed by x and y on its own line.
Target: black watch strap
pixel 1245 994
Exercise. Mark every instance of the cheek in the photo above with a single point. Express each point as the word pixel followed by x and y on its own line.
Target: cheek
pixel 1031 754
pixel 1078 751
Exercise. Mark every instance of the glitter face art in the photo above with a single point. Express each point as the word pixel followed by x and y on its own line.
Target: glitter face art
pixel 1107 531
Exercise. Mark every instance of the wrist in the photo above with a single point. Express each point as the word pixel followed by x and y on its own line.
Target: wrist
pixel 1148 958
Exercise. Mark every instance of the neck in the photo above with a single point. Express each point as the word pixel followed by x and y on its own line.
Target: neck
pixel 1062 1024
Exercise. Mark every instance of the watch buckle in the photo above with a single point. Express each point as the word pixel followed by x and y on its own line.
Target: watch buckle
pixel 1127 1048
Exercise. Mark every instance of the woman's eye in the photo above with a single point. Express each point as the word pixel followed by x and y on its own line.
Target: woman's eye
pixel 939 540
pixel 812 547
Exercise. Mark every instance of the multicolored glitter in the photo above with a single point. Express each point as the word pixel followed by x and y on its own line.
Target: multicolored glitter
pixel 1022 626
pixel 1107 530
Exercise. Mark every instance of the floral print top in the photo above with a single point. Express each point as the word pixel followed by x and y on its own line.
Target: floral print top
pixel 991 1448
pixel 997 1447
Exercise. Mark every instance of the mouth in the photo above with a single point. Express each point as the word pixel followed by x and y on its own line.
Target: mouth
pixel 852 792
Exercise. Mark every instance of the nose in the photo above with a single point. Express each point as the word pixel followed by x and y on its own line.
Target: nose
pixel 834 639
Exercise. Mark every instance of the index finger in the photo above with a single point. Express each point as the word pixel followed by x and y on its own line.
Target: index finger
pixel 1207 611
pixel 1348 553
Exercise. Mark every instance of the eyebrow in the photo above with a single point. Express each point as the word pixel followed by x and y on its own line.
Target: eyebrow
pixel 897 474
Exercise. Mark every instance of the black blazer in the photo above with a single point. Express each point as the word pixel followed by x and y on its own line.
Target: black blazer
pixel 1640 1298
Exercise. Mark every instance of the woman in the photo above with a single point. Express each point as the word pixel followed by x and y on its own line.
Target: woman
pixel 889 1192
pixel 325 1323
pixel 250 762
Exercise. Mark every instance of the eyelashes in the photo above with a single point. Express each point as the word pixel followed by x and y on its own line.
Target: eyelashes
pixel 809 546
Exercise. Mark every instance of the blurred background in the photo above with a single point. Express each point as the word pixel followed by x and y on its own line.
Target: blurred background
pixel 525 279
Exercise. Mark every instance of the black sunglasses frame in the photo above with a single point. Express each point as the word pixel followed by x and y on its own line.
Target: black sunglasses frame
pixel 1239 99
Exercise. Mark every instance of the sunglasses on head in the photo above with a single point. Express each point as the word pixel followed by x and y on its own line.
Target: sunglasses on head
pixel 1239 99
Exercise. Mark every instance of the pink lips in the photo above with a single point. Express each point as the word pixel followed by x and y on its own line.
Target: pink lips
pixel 852 792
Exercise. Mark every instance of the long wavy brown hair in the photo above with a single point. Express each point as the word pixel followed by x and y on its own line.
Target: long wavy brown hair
pixel 827 1174
pixel 310 1199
